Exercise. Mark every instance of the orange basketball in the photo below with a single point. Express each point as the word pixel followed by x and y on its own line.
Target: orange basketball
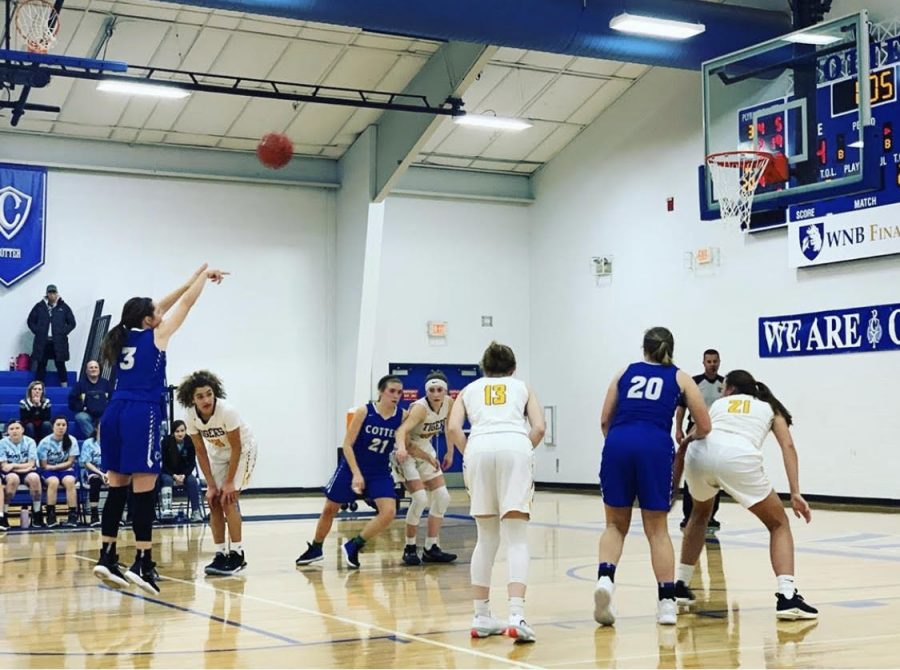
pixel 275 150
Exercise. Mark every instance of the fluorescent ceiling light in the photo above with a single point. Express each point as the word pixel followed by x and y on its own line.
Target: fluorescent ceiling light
pixel 654 27
pixel 811 38
pixel 140 88
pixel 493 122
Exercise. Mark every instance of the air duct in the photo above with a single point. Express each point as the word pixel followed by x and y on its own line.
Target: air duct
pixel 575 27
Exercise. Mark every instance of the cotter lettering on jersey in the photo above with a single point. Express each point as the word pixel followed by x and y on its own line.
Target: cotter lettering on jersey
pixel 212 432
pixel 379 431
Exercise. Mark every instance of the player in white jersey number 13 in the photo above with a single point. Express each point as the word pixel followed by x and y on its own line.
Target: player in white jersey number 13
pixel 498 464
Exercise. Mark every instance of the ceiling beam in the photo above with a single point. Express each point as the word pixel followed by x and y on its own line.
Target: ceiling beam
pixel 196 163
pixel 447 74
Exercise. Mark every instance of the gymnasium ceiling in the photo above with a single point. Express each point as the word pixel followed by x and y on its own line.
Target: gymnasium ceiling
pixel 559 94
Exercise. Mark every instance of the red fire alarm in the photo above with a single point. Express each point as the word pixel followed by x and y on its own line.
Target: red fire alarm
pixel 670 204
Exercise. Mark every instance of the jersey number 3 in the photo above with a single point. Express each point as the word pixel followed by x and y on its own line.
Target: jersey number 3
pixel 649 389
pixel 495 394
pixel 127 358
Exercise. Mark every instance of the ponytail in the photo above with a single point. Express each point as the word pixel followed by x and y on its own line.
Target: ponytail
pixel 744 383
pixel 659 345
pixel 133 314
pixel 765 394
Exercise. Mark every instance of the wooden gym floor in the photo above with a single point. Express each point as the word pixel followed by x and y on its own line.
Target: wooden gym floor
pixel 55 614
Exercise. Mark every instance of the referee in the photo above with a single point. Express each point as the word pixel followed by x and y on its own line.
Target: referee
pixel 711 385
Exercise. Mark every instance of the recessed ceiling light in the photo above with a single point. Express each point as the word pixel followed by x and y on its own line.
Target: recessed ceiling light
pixel 140 88
pixel 654 27
pixel 492 122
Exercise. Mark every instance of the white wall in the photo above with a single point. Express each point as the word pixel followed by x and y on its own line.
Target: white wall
pixel 266 330
pixel 606 194
pixel 452 261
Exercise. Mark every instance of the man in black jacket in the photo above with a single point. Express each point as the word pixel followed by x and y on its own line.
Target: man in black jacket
pixel 51 321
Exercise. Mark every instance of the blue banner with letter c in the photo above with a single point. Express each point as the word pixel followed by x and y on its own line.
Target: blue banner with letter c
pixel 838 331
pixel 23 221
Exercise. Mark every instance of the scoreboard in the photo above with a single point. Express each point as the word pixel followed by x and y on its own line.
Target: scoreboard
pixel 780 125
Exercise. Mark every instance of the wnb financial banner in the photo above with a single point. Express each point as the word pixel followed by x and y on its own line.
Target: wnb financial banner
pixel 843 230
pixel 840 331
pixel 23 216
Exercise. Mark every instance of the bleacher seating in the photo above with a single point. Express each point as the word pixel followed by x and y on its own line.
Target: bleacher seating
pixel 12 390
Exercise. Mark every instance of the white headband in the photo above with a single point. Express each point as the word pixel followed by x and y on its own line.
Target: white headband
pixel 436 382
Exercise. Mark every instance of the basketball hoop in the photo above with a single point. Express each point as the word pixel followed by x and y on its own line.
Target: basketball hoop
pixel 735 176
pixel 37 23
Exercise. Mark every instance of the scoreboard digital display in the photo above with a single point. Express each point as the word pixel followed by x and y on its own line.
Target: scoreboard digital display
pixel 778 125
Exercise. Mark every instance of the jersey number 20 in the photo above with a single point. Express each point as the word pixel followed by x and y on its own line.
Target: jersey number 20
pixel 649 389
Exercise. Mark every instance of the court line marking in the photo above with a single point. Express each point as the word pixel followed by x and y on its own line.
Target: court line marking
pixel 706 652
pixel 346 620
pixel 213 617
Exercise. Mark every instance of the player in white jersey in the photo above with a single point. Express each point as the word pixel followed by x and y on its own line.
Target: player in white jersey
pixel 226 453
pixel 730 458
pixel 507 425
pixel 420 470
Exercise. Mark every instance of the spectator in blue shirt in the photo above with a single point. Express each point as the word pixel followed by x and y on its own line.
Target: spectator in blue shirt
pixel 57 454
pixel 92 474
pixel 18 463
pixel 89 398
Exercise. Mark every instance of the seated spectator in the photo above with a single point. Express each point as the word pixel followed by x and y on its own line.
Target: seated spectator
pixel 89 398
pixel 92 474
pixel 179 461
pixel 34 412
pixel 18 463
pixel 57 454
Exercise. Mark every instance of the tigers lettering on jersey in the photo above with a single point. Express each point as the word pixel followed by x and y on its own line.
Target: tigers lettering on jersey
pixel 433 428
pixel 434 420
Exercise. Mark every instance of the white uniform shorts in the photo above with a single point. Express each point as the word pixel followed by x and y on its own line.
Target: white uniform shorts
pixel 219 466
pixel 498 469
pixel 417 468
pixel 728 462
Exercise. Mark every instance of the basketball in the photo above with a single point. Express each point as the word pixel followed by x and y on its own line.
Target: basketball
pixel 275 150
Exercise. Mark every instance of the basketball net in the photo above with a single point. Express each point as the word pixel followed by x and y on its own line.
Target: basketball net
pixel 735 176
pixel 37 24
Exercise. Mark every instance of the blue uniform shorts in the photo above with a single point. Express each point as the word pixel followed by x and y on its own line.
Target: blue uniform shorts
pixel 637 463
pixel 378 485
pixel 129 430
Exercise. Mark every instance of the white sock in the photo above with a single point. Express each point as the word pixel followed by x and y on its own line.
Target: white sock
pixel 237 546
pixel 410 542
pixel 684 573
pixel 482 607
pixel 220 548
pixel 516 609
pixel 5 509
pixel 430 542
pixel 786 586
pixel 36 506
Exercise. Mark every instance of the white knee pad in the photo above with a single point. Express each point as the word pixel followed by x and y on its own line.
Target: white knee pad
pixel 438 501
pixel 418 502
pixel 515 533
pixel 485 550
